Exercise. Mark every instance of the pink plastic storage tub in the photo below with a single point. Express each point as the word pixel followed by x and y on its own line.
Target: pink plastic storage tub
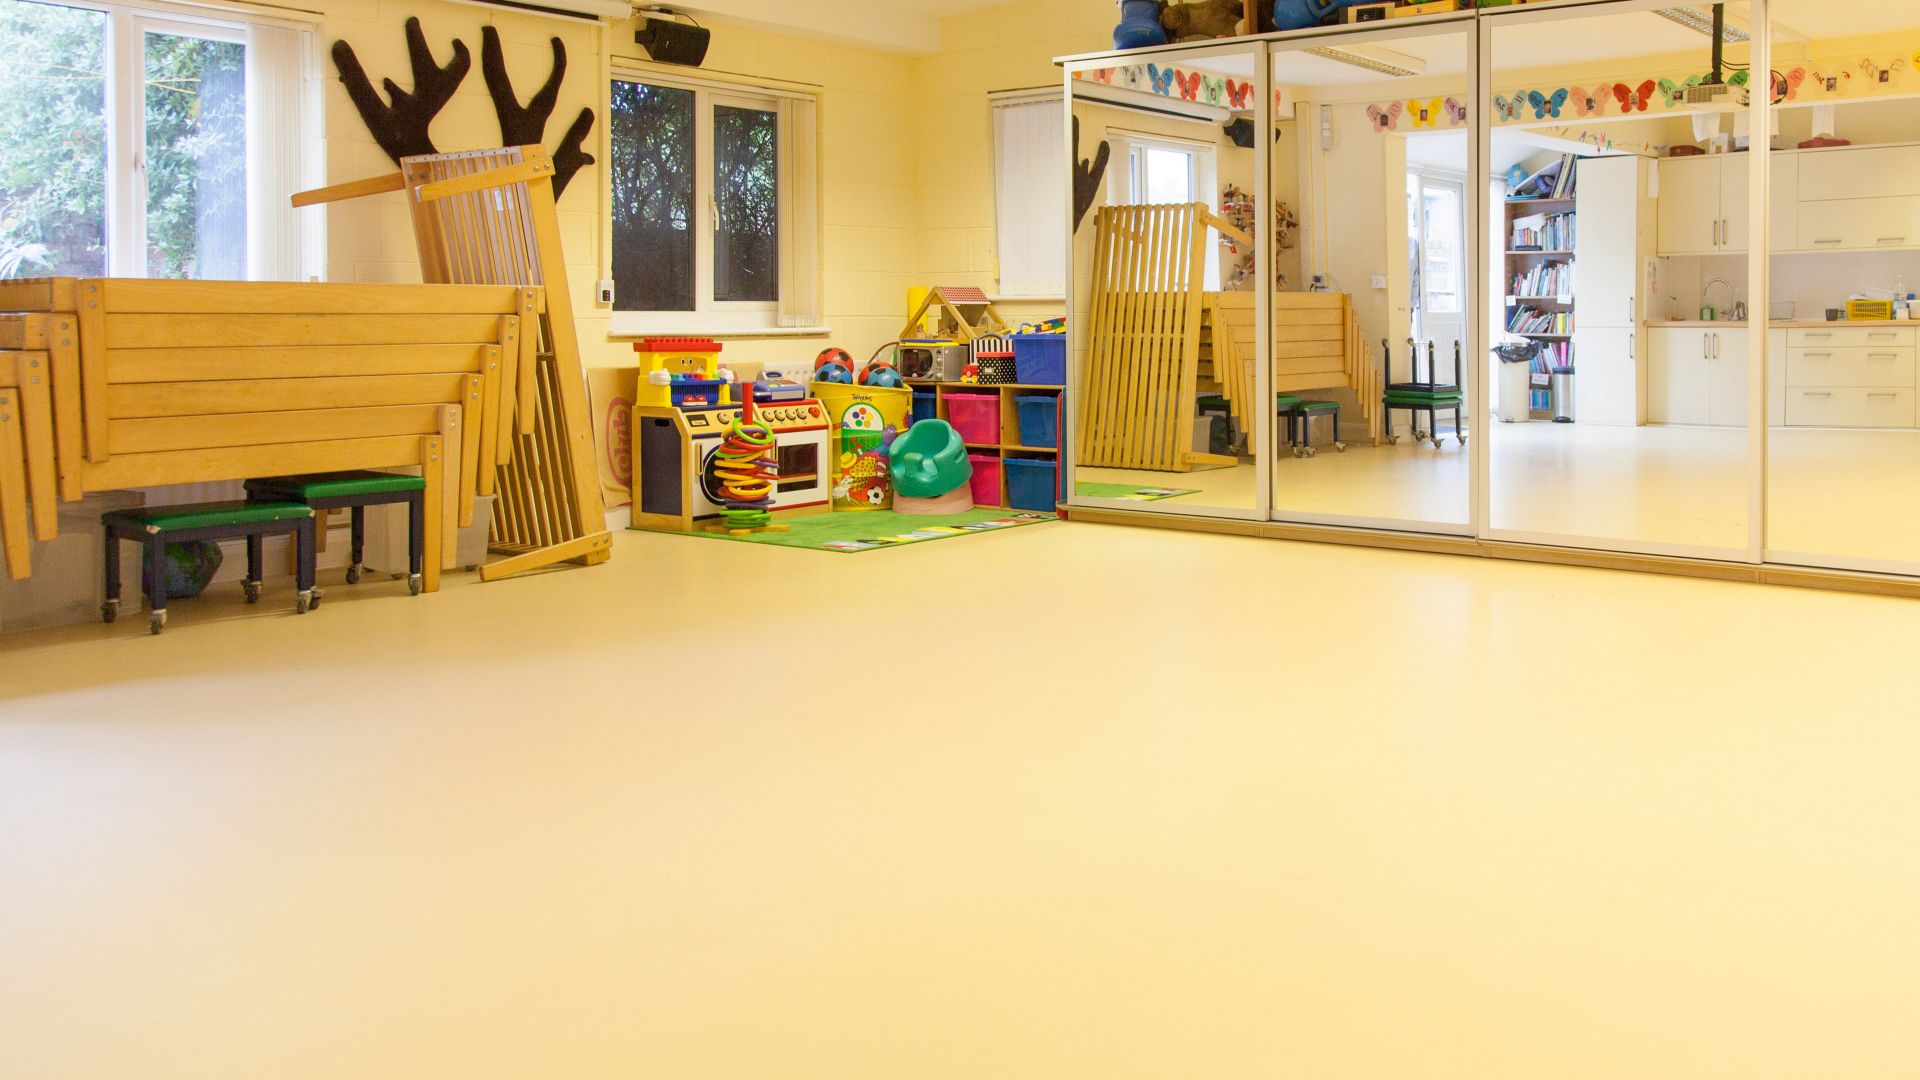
pixel 976 417
pixel 986 479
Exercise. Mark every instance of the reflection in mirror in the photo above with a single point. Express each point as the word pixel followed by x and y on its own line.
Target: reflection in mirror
pixel 1164 375
pixel 1843 465
pixel 1619 371
pixel 1370 325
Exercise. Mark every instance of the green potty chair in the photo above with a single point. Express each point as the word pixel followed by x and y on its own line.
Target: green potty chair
pixel 931 470
pixel 355 491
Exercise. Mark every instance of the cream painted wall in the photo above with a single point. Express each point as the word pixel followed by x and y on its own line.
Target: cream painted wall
pixel 868 245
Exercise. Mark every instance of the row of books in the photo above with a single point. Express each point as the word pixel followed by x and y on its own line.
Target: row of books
pixel 1527 319
pixel 1554 180
pixel 1546 279
pixel 1543 232
pixel 1553 356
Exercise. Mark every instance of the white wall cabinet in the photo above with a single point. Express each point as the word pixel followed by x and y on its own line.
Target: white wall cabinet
pixel 1703 205
pixel 1615 238
pixel 1697 375
pixel 1859 224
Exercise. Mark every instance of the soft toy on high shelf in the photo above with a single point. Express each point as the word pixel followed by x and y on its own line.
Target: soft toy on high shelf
pixel 1301 14
pixel 1204 19
pixel 1139 25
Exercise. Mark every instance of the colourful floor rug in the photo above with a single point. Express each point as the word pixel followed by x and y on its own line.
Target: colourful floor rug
pixel 873 530
pixel 1129 491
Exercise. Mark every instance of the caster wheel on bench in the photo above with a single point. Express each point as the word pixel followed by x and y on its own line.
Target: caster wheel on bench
pixel 353 574
pixel 156 622
pixel 414 584
pixel 109 611
pixel 253 591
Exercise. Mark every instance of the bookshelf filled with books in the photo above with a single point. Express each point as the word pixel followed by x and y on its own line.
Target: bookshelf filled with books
pixel 1542 231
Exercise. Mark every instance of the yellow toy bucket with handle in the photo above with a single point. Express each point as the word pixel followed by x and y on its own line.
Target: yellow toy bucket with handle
pixel 865 420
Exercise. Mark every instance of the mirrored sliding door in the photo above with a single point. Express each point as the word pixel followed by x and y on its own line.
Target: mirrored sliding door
pixel 1165 216
pixel 1374 213
pixel 1618 206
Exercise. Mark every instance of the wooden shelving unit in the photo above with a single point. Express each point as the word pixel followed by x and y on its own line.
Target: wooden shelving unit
pixel 1522 260
pixel 1009 445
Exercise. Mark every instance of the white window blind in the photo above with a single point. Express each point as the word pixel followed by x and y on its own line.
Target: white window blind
pixel 1030 186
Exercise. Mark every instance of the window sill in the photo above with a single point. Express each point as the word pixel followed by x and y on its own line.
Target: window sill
pixel 1001 298
pixel 727 332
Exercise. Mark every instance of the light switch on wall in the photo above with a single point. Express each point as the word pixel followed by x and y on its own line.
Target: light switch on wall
pixel 1379 281
pixel 603 290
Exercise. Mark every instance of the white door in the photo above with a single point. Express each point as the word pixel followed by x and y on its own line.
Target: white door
pixel 1607 384
pixel 1727 378
pixel 1678 389
pixel 1606 246
pixel 1689 206
pixel 1437 219
pixel 1733 202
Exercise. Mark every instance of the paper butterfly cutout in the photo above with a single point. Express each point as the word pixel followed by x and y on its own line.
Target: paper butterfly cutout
pixel 1545 106
pixel 1786 87
pixel 1831 82
pixel 1883 74
pixel 1676 92
pixel 1592 103
pixel 1507 111
pixel 1387 119
pixel 1189 85
pixel 1634 98
pixel 1104 75
pixel 1213 91
pixel 1239 95
pixel 1162 81
pixel 1456 112
pixel 1426 114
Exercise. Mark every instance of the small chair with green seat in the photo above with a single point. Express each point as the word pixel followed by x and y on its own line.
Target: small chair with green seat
pixel 356 491
pixel 1430 396
pixel 1284 406
pixel 1304 410
pixel 155 527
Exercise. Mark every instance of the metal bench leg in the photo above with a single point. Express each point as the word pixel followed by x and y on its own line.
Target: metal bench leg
pixel 154 580
pixel 304 555
pixel 1337 443
pixel 359 545
pixel 256 558
pixel 110 604
pixel 416 542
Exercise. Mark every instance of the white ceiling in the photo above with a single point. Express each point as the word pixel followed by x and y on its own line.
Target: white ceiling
pixel 911 26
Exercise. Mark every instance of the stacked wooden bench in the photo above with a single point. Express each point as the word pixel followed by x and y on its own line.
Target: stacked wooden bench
pixel 135 383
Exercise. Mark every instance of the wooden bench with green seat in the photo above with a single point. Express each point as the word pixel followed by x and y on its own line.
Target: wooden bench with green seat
pixel 155 527
pixel 356 491
pixel 1430 396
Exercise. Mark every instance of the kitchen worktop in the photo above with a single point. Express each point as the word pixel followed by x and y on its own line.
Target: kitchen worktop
pixel 1783 324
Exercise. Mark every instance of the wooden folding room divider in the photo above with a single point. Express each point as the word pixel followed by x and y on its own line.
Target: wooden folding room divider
pixel 486 217
pixel 1145 337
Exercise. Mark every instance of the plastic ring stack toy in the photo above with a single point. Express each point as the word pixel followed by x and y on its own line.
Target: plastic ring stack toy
pixel 744 467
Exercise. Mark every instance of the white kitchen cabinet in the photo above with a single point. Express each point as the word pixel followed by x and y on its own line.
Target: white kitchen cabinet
pixel 1851 376
pixel 1689 212
pixel 1860 224
pixel 1609 378
pixel 1697 375
pixel 1858 172
pixel 1616 223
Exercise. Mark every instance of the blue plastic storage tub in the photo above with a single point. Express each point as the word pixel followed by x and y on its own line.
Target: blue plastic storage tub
pixel 1031 484
pixel 1039 419
pixel 926 406
pixel 1040 359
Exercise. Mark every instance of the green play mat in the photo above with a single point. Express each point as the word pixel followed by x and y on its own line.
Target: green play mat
pixel 1129 491
pixel 872 530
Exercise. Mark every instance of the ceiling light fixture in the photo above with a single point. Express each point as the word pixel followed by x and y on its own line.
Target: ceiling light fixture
pixel 1701 23
pixel 1382 61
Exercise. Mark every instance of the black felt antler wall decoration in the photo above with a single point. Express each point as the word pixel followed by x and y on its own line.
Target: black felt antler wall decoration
pixel 400 123
pixel 527 125
pixel 1087 175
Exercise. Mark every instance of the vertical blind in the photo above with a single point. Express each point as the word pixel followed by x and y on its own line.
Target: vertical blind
pixel 1030 195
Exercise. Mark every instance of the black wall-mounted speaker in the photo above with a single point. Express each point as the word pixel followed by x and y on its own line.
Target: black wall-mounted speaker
pixel 674 43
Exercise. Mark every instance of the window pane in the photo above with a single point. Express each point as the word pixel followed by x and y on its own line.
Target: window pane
pixel 53 141
pixel 652 139
pixel 196 157
pixel 1169 176
pixel 746 240
pixel 1443 252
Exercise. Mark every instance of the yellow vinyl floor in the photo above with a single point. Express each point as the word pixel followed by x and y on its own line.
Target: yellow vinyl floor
pixel 1069 801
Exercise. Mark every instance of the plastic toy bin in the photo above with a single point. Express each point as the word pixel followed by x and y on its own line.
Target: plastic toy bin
pixel 976 417
pixel 1040 359
pixel 1031 484
pixel 1039 419
pixel 925 405
pixel 986 479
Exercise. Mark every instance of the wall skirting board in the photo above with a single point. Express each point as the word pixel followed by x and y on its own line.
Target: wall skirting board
pixel 1791 576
